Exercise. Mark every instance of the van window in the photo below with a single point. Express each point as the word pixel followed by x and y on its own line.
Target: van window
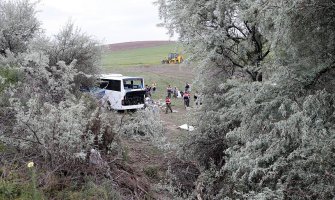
pixel 114 85
pixel 133 83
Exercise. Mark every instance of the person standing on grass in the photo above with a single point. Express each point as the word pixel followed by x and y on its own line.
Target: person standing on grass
pixel 169 91
pixel 175 92
pixel 196 98
pixel 147 91
pixel 154 87
pixel 168 104
pixel 187 87
pixel 186 99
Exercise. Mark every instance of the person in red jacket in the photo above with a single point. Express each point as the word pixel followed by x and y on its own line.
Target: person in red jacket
pixel 168 104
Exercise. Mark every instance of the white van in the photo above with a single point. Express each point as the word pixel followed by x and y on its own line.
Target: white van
pixel 121 92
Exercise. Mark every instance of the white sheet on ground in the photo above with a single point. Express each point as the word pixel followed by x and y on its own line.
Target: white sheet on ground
pixel 186 127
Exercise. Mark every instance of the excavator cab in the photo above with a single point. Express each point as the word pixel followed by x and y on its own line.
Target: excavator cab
pixel 172 56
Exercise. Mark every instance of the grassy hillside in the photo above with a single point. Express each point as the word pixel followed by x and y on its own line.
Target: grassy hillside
pixel 136 57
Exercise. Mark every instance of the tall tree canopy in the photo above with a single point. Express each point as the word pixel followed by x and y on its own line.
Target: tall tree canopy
pixel 266 71
pixel 70 44
pixel 230 40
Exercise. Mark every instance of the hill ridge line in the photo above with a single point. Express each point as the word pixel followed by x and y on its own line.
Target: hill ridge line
pixel 136 45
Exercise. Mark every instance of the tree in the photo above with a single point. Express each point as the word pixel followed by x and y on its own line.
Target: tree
pixel 218 27
pixel 18 25
pixel 72 44
pixel 262 140
pixel 40 113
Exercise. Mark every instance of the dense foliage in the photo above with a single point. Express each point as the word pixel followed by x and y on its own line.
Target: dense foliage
pixel 40 113
pixel 43 116
pixel 18 25
pixel 70 45
pixel 265 68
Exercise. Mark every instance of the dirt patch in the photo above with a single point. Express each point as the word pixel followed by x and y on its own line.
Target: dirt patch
pixel 135 45
pixel 130 181
pixel 162 166
pixel 183 175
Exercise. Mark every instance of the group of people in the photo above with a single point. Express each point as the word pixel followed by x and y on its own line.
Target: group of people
pixel 175 93
pixel 150 89
pixel 186 95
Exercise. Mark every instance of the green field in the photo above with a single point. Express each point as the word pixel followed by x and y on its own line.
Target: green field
pixel 141 56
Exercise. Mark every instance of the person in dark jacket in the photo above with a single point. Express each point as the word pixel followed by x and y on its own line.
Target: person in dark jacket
pixel 169 91
pixel 196 98
pixel 168 104
pixel 187 87
pixel 186 99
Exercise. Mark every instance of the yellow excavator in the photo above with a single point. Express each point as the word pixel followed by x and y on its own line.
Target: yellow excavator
pixel 173 58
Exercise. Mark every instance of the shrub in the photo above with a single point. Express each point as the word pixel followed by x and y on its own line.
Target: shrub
pixel 18 27
pixel 152 172
pixel 144 122
pixel 71 45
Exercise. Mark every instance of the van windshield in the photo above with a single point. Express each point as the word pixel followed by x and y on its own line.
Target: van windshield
pixel 136 83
